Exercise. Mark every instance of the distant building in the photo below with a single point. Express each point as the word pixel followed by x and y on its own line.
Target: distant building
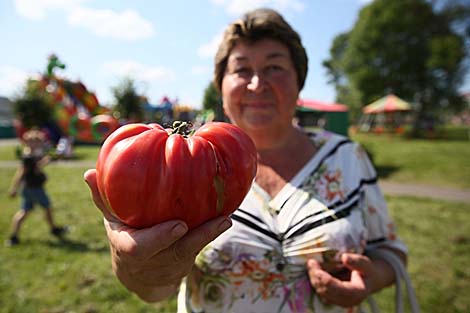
pixel 466 97
pixel 317 114
pixel 6 118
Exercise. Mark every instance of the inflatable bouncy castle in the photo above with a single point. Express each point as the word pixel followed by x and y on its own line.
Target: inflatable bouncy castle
pixel 77 114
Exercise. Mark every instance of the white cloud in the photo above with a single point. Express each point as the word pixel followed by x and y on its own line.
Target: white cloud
pixel 208 50
pixel 138 71
pixel 238 7
pixel 125 25
pixel 38 9
pixel 12 79
pixel 365 1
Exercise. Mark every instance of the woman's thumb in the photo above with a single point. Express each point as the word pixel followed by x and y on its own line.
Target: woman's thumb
pixel 356 262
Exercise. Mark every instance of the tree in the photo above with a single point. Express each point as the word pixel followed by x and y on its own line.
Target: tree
pixel 33 106
pixel 406 47
pixel 213 101
pixel 345 92
pixel 128 103
pixel 211 98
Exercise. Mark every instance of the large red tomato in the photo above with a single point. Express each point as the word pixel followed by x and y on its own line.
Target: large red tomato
pixel 147 174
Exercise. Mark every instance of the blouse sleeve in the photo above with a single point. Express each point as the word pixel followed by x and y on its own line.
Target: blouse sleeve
pixel 380 227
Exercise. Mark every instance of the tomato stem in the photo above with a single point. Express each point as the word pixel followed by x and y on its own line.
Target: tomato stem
pixel 181 128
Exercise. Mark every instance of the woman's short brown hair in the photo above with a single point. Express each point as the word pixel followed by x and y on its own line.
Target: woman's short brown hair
pixel 256 25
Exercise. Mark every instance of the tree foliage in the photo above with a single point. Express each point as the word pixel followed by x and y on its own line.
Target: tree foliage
pixel 128 103
pixel 406 47
pixel 213 102
pixel 211 98
pixel 33 106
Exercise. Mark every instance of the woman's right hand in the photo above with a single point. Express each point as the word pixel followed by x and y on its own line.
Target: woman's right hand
pixel 151 262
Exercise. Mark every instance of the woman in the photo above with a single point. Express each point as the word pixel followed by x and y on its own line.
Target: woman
pixel 298 239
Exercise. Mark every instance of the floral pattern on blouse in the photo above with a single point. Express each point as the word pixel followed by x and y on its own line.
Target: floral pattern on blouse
pixel 250 277
pixel 333 205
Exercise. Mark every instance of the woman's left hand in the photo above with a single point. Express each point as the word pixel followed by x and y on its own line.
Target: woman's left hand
pixel 363 279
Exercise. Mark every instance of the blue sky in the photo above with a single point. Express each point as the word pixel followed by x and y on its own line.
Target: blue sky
pixel 166 46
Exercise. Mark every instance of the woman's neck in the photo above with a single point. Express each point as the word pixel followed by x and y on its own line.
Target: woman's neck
pixel 279 163
pixel 269 145
pixel 276 150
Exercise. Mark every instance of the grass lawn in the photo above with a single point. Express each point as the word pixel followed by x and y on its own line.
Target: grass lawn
pixel 81 152
pixel 49 276
pixel 435 162
pixel 46 275
pixel 437 236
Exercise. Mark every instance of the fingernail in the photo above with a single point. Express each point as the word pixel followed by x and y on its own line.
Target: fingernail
pixel 226 224
pixel 178 230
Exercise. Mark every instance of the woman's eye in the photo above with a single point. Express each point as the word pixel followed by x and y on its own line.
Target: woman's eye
pixel 242 70
pixel 274 68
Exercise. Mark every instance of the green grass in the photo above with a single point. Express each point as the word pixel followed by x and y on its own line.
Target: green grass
pixel 446 132
pixel 44 274
pixel 8 153
pixel 81 152
pixel 437 236
pixel 435 162
pixel 49 276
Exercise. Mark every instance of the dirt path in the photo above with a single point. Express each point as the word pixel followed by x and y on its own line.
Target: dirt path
pixel 425 191
pixel 8 141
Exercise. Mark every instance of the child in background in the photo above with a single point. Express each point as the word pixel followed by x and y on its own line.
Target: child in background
pixel 31 178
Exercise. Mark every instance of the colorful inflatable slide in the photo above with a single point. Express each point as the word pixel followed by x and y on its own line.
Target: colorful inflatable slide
pixel 77 114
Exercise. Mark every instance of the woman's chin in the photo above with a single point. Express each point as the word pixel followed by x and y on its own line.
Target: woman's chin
pixel 259 122
pixel 259 119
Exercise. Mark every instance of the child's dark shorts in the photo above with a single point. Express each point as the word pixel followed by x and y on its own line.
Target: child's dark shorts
pixel 31 196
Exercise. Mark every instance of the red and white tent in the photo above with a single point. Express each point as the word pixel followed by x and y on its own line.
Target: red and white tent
pixel 387 104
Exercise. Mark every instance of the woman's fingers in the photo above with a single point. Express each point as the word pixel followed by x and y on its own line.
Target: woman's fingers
pixel 319 278
pixel 335 291
pixel 90 179
pixel 357 262
pixel 198 238
pixel 170 240
pixel 162 254
pixel 142 244
pixel 136 253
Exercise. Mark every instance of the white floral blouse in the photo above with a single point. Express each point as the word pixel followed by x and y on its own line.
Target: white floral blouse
pixel 331 206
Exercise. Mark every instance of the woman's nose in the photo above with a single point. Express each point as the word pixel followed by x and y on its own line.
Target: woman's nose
pixel 257 83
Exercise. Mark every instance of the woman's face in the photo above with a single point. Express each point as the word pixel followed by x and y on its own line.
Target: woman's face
pixel 260 88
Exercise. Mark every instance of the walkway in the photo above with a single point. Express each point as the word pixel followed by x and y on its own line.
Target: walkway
pixel 425 191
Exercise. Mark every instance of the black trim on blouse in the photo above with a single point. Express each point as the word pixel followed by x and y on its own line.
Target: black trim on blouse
pixel 340 209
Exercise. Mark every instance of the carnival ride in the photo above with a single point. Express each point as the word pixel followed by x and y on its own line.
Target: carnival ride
pixel 387 114
pixel 77 113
